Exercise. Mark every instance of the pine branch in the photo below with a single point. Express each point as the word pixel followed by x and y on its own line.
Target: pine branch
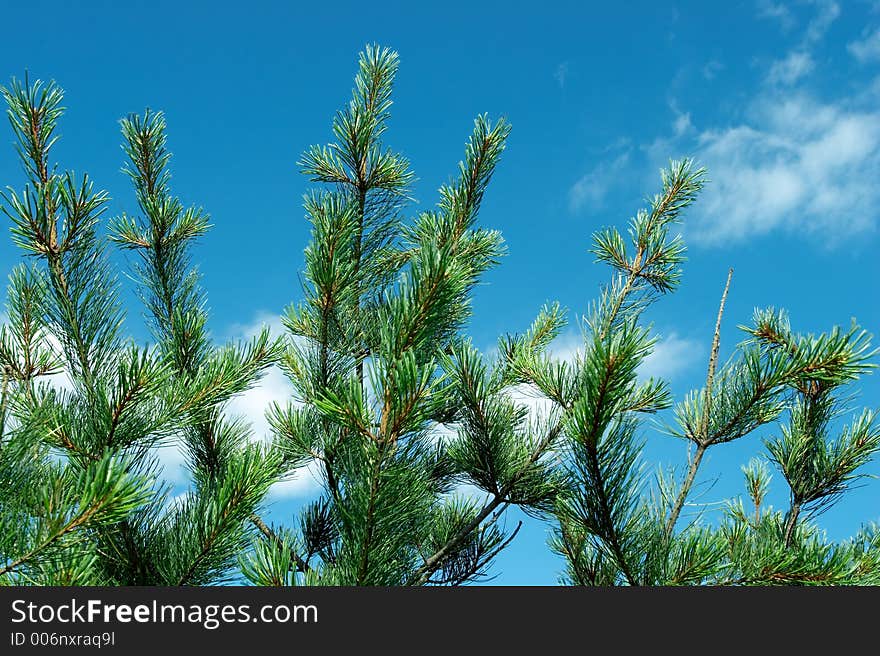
pixel 435 560
pixel 102 492
pixel 301 565
pixel 702 439
pixel 4 391
pixel 369 525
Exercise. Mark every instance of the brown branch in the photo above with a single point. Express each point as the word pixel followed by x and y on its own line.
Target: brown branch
pixel 433 563
pixel 634 273
pixel 702 437
pixel 120 408
pixel 791 523
pixel 713 358
pixel 73 524
pixel 272 536
pixel 483 560
pixel 7 374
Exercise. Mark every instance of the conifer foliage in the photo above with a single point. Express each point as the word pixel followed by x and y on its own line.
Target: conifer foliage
pixel 394 409
pixel 379 365
pixel 82 502
pixel 613 527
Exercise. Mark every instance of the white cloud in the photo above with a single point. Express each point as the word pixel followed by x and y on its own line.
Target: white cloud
pixel 799 62
pixel 593 186
pixel 254 327
pixel 711 69
pixel 791 69
pixel 539 406
pixel 867 49
pixel 273 387
pixel 253 403
pixel 442 433
pixel 801 165
pixel 776 11
pixel 672 355
pixel 173 464
pixel 682 125
pixel 249 405
pixel 561 74
pixel 794 162
pixel 827 12
pixel 60 380
pixel 567 346
pixel 305 481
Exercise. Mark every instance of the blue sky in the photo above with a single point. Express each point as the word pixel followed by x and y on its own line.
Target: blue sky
pixel 778 100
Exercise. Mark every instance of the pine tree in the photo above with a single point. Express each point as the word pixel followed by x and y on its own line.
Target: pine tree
pixel 379 364
pixel 394 407
pixel 612 528
pixel 82 501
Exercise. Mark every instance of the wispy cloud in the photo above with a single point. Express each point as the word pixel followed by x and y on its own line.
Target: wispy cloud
pixel 791 69
pixel 825 13
pixel 867 49
pixel 682 125
pixel 778 11
pixel 561 74
pixel 792 160
pixel 711 69
pixel 672 356
pixel 799 63
pixel 591 188
pixel 801 164
pixel 797 162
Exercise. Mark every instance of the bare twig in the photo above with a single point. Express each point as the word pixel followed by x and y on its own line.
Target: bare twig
pixel 702 438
